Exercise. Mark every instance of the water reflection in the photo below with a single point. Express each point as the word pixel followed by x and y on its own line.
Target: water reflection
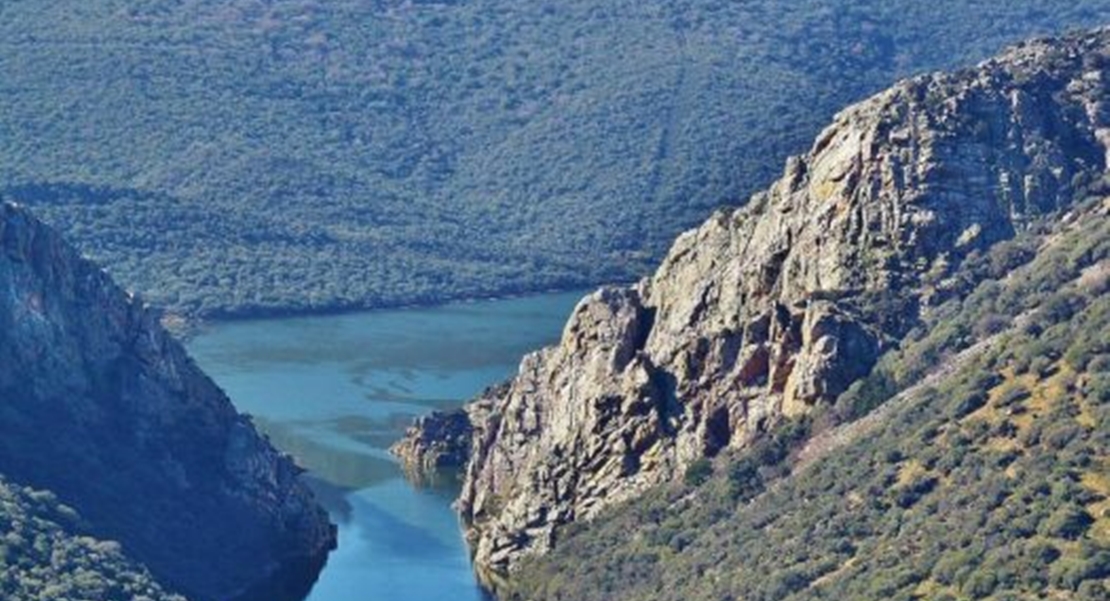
pixel 336 391
pixel 344 465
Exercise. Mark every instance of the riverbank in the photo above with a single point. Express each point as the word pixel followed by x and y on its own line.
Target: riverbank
pixel 336 391
pixel 185 326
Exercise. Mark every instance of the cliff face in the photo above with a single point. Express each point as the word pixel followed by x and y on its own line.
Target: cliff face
pixel 929 496
pixel 101 406
pixel 768 310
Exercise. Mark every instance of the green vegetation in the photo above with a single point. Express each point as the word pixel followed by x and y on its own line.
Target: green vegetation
pixel 991 481
pixel 238 157
pixel 43 556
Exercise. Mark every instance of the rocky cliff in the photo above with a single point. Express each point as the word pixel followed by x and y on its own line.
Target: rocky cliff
pixel 101 406
pixel 769 310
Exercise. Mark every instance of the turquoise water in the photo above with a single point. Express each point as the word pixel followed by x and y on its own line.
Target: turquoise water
pixel 336 391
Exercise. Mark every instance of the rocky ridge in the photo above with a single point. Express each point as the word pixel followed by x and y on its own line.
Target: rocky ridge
pixel 766 311
pixel 101 406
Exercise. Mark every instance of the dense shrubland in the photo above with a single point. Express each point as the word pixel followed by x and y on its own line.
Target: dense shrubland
pixel 44 556
pixel 237 157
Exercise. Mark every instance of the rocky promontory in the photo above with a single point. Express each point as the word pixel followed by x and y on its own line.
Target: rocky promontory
pixel 772 309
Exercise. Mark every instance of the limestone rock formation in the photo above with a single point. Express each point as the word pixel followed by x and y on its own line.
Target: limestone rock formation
pixel 768 310
pixel 104 408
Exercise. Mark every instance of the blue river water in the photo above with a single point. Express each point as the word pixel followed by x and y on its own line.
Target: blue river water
pixel 336 391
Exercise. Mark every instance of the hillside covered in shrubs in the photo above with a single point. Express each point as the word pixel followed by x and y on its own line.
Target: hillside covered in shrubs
pixel 44 556
pixel 233 158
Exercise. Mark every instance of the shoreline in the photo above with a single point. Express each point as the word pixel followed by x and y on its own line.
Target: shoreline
pixel 185 327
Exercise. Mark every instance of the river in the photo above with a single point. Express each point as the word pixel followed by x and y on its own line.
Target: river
pixel 336 391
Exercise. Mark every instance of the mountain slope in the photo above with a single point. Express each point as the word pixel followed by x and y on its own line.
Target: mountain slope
pixel 239 157
pixel 990 480
pixel 100 406
pixel 772 311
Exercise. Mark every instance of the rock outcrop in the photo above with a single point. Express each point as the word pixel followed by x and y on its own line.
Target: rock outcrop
pixel 104 408
pixel 441 440
pixel 767 311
